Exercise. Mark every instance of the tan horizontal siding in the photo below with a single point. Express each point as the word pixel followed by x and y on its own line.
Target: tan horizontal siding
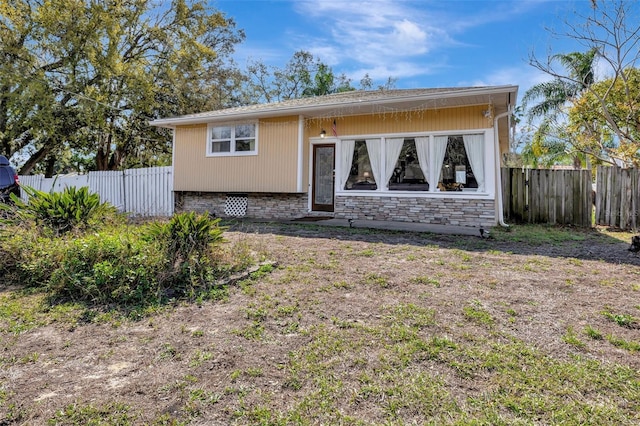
pixel 405 122
pixel 274 169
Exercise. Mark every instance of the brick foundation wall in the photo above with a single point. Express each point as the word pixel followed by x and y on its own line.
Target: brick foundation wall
pixel 441 211
pixel 259 205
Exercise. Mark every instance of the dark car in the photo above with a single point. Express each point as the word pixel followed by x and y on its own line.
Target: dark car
pixel 8 180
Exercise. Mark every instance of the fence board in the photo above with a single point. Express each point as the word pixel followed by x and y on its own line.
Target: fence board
pixel 33 181
pixel 607 190
pixel 548 196
pixel 141 192
pixel 618 197
pixel 142 182
pixel 110 186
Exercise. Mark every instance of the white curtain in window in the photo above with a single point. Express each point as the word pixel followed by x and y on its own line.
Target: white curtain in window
pixel 393 148
pixel 439 150
pixel 474 145
pixel 346 158
pixel 422 148
pixel 374 149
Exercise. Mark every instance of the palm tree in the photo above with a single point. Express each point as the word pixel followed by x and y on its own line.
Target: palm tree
pixel 552 96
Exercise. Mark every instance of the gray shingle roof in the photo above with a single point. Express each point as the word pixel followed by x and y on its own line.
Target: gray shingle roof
pixel 354 100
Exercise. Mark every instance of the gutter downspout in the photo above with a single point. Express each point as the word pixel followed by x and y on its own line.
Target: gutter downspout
pixel 173 169
pixel 497 162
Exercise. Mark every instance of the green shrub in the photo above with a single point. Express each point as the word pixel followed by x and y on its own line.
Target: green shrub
pixel 166 260
pixel 187 240
pixel 124 267
pixel 26 257
pixel 187 235
pixel 60 212
pixel 110 267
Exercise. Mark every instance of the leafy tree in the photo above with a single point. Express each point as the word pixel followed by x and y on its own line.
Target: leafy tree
pixel 324 83
pixel 87 76
pixel 611 35
pixel 591 130
pixel 366 83
pixel 304 75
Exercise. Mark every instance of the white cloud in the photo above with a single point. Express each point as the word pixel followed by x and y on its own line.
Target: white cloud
pixel 524 77
pixel 372 31
pixel 409 37
pixel 377 30
pixel 329 54
pixel 397 70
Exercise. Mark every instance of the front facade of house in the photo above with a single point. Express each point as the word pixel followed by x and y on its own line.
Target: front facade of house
pixel 419 155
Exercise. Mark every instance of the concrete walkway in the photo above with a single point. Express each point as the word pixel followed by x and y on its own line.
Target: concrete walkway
pixel 399 226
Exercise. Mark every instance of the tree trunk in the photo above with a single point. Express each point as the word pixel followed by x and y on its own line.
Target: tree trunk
pixel 103 153
pixel 50 166
pixel 34 160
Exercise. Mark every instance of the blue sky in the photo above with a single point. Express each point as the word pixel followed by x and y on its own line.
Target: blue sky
pixel 421 43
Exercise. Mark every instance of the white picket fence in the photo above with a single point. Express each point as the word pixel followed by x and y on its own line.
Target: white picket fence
pixel 140 192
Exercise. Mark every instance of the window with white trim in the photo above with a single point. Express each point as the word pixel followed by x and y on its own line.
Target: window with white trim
pixel 361 176
pixel 455 162
pixel 237 139
pixel 408 173
pixel 462 164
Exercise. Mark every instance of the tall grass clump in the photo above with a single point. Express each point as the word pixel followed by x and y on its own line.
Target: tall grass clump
pixel 188 241
pixel 27 258
pixel 57 213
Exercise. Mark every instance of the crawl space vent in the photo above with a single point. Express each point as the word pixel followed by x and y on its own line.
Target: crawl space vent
pixel 236 205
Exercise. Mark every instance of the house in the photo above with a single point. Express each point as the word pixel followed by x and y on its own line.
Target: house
pixel 415 155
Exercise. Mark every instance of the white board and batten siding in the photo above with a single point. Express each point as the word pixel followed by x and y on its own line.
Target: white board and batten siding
pixel 140 192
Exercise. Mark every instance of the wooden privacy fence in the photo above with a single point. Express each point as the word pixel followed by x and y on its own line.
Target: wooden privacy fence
pixel 618 197
pixel 563 197
pixel 141 192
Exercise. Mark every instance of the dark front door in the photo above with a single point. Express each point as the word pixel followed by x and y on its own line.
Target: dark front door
pixel 324 160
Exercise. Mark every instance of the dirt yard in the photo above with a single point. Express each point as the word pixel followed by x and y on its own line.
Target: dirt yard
pixel 342 331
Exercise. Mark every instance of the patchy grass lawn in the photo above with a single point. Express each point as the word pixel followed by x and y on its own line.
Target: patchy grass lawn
pixel 534 326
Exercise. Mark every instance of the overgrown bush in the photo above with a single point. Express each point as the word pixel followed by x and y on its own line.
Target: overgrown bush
pixel 121 266
pixel 109 267
pixel 59 212
pixel 188 240
pixel 27 258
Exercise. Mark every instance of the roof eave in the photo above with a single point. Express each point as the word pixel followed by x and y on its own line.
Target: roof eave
pixel 171 123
